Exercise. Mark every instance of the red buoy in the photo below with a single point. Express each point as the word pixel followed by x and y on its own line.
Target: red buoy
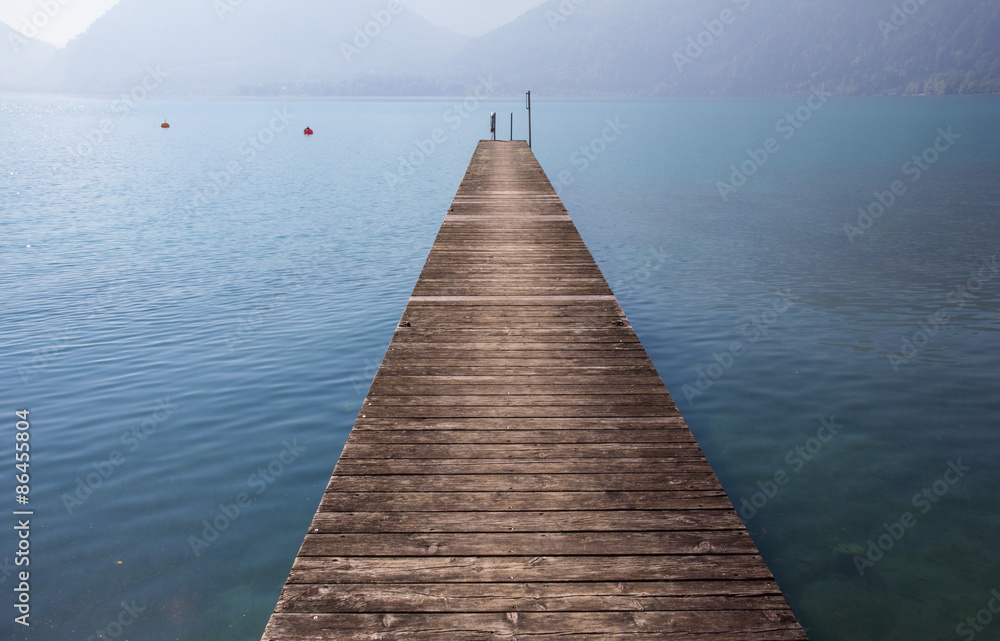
pixel 308 131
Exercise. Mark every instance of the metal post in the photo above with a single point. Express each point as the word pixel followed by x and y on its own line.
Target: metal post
pixel 529 120
pixel 512 126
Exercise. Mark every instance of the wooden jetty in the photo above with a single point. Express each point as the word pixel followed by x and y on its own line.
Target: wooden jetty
pixel 518 470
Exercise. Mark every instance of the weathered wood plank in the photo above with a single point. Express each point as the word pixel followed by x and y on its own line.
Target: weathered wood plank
pixel 608 521
pixel 369 467
pixel 579 359
pixel 536 382
pixel 538 451
pixel 522 358
pixel 518 569
pixel 504 347
pixel 524 482
pixel 546 335
pixel 514 437
pixel 527 543
pixel 524 400
pixel 523 501
pixel 552 310
pixel 511 411
pixel 694 596
pixel 453 424
pixel 448 630
pixel 572 374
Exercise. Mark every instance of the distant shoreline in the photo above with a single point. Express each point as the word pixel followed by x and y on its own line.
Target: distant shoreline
pixel 451 98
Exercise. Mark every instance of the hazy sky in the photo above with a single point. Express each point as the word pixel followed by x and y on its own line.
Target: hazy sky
pixel 71 18
pixel 472 17
pixel 469 17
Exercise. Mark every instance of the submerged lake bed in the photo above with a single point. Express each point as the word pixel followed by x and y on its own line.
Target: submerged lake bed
pixel 195 315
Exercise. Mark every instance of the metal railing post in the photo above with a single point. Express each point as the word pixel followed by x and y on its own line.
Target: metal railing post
pixel 529 119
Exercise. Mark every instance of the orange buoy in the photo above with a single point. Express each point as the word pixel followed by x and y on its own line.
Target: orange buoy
pixel 165 125
pixel 308 131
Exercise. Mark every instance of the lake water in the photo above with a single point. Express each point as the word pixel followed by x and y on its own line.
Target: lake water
pixel 195 314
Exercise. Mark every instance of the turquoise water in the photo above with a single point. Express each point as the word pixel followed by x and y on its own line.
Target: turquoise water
pixel 193 317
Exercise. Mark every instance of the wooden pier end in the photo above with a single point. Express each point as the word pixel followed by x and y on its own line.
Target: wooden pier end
pixel 518 470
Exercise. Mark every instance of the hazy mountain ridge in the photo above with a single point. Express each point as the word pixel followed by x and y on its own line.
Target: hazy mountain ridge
pixel 563 47
pixel 215 48
pixel 20 57
pixel 746 47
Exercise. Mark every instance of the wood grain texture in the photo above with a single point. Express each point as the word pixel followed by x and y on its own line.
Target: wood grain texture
pixel 518 470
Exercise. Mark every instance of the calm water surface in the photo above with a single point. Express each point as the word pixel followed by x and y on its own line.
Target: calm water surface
pixel 194 315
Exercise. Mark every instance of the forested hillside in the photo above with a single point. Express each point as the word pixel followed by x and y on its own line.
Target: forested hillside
pixel 748 47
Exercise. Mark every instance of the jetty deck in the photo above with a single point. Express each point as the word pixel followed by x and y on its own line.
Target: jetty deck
pixel 518 470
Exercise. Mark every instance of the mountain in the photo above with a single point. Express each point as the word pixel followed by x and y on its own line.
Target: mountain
pixel 216 47
pixel 562 47
pixel 20 57
pixel 744 47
